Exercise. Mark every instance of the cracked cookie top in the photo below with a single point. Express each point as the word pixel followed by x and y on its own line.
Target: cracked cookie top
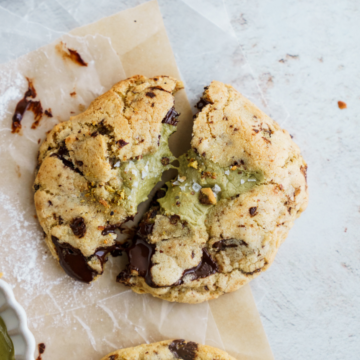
pixel 169 350
pixel 95 169
pixel 222 220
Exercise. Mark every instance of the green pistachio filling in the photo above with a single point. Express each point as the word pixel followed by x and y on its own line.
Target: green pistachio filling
pixel 140 176
pixel 6 345
pixel 195 173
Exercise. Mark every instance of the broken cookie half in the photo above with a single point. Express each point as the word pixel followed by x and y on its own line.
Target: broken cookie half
pixel 95 169
pixel 221 221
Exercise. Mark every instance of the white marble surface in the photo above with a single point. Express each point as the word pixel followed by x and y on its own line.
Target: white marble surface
pixel 295 59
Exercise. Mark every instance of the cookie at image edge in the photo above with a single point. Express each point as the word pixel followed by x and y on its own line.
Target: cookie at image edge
pixel 169 350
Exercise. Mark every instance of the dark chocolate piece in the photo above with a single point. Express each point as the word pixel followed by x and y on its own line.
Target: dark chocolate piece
pixel 171 117
pixel 150 94
pixel 202 103
pixel 78 227
pixel 206 267
pixel 74 262
pixel 253 211
pixel 62 152
pixel 121 143
pixel 224 244
pixel 183 350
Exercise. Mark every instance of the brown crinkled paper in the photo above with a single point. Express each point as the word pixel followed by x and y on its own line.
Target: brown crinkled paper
pixel 76 320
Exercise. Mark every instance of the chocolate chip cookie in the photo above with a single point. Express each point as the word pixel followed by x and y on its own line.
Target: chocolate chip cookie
pixel 220 223
pixel 169 350
pixel 95 169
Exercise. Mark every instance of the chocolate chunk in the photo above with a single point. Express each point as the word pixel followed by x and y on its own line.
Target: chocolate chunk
pixel 202 103
pixel 150 94
pixel 113 357
pixel 62 152
pixel 253 211
pixel 78 227
pixel 36 187
pixel 228 243
pixel 94 134
pixel 121 143
pixel 165 161
pixel 183 350
pixel 171 117
pixel 73 262
pixel 174 219
pixel 206 267
pixel 139 254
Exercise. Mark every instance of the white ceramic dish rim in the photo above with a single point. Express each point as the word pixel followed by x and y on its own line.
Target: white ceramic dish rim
pixel 25 350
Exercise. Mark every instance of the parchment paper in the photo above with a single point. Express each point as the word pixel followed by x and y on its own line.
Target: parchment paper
pixel 87 321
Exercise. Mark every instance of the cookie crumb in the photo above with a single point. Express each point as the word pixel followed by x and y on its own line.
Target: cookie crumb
pixel 342 105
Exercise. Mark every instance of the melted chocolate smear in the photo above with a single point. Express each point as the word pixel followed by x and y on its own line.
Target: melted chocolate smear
pixel 110 229
pixel 139 255
pixel 36 108
pixel 78 227
pixel 48 112
pixel 41 349
pixel 171 117
pixel 73 262
pixel 224 244
pixel 70 54
pixel 62 152
pixel 183 350
pixel 206 267
pixel 202 103
pixel 22 106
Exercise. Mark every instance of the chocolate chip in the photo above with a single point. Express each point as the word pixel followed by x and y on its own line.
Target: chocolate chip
pixel 50 203
pixel 202 103
pixel 78 227
pixel 174 219
pixel 121 143
pixel 79 163
pixel 171 117
pixel 94 134
pixel 228 243
pixel 183 350
pixel 150 94
pixel 253 211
